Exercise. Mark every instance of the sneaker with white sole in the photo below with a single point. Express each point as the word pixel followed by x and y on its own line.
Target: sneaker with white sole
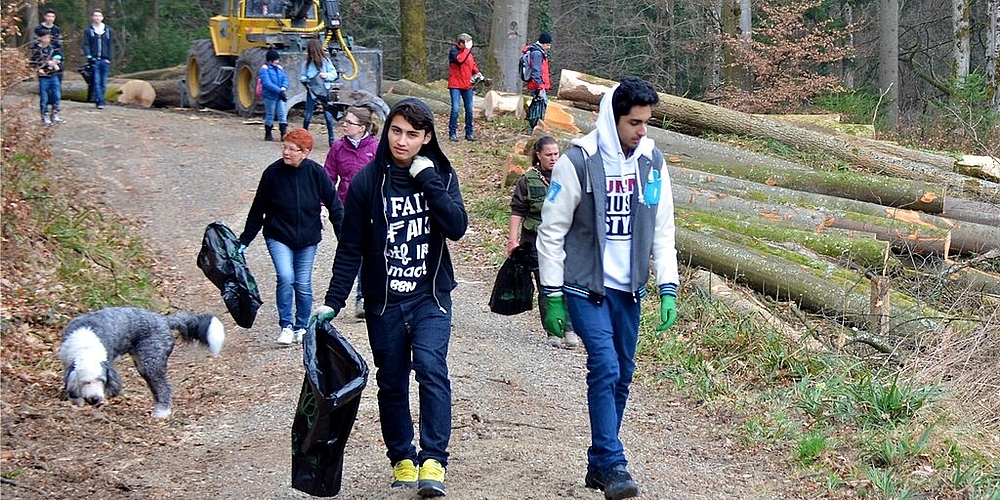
pixel 286 337
pixel 56 119
pixel 553 341
pixel 301 332
pixel 404 474
pixel 359 308
pixel 46 121
pixel 431 479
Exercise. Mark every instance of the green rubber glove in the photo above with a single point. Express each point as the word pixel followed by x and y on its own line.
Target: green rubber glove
pixel 555 315
pixel 668 312
pixel 321 314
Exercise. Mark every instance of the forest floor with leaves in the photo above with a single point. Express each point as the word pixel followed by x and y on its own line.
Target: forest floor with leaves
pixel 520 414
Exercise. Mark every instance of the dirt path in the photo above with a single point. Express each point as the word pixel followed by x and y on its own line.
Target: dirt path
pixel 520 426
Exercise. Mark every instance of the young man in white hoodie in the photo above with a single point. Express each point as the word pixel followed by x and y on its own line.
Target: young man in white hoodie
pixel 608 209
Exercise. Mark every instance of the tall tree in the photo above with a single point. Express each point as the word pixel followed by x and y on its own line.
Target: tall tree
pixel 412 28
pixel 508 35
pixel 960 33
pixel 993 53
pixel 888 62
pixel 30 20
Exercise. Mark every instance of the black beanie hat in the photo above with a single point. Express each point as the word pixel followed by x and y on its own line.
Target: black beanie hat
pixel 545 37
pixel 272 55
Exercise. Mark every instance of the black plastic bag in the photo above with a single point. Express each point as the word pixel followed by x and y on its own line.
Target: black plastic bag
pixel 514 288
pixel 223 263
pixel 87 72
pixel 328 406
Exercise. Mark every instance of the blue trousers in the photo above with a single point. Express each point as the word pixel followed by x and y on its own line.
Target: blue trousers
pixel 308 114
pixel 49 93
pixel 413 335
pixel 610 332
pixel 273 107
pixel 101 69
pixel 294 267
pixel 466 98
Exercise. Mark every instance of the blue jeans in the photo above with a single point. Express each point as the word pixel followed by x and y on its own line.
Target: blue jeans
pixel 610 332
pixel 466 97
pixel 413 335
pixel 101 69
pixel 272 107
pixel 307 118
pixel 294 269
pixel 49 93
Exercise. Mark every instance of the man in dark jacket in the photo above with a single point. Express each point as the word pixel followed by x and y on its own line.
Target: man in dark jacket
pixel 47 60
pixel 461 70
pixel 401 208
pixel 98 49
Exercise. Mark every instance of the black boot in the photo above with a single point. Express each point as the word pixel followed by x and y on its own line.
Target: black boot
pixel 267 132
pixel 283 127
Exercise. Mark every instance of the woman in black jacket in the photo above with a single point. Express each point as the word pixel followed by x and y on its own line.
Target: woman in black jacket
pixel 287 207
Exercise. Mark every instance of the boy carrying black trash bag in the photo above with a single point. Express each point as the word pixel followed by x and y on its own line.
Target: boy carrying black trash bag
pixel 401 209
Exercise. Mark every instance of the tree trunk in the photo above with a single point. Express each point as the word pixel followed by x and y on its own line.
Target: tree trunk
pixel 438 107
pixel 965 237
pixel 854 249
pixel 496 103
pixel 412 29
pixel 888 59
pixel 30 21
pixel 841 296
pixel 874 189
pixel 908 237
pixel 960 38
pixel 741 301
pixel 411 88
pixel 577 86
pixel 993 54
pixel 508 35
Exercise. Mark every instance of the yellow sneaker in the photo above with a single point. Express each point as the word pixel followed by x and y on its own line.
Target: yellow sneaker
pixel 431 479
pixel 404 474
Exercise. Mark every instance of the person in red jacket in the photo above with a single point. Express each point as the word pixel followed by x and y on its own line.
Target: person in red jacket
pixel 461 70
pixel 539 84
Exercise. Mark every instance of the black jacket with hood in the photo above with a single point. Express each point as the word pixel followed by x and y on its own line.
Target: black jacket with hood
pixel 365 226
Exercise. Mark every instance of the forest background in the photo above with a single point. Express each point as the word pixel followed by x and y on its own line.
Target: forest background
pixel 922 71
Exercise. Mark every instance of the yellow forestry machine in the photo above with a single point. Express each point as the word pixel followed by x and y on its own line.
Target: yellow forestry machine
pixel 222 71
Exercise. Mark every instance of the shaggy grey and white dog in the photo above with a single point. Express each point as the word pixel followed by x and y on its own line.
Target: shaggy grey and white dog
pixel 92 342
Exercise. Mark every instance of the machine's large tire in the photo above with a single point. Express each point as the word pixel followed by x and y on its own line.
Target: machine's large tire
pixel 245 82
pixel 209 77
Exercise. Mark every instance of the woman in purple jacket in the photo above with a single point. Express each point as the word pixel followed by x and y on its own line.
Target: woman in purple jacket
pixel 348 155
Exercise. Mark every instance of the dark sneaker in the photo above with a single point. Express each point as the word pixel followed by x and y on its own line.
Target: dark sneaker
pixel 404 474
pixel 616 483
pixel 470 137
pixel 452 137
pixel 431 482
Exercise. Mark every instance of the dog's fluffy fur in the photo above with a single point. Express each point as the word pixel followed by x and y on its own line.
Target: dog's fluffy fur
pixel 92 342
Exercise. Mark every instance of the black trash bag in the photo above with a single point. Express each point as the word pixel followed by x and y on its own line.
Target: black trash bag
pixel 514 288
pixel 536 110
pixel 87 72
pixel 224 264
pixel 328 406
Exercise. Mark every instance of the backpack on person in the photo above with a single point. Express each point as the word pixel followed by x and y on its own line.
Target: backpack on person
pixel 524 65
pixel 259 89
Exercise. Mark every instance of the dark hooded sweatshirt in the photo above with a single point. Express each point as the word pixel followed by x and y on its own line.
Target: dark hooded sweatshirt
pixel 400 226
pixel 287 205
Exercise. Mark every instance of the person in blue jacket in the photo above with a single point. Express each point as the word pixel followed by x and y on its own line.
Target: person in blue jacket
pixel 273 84
pixel 401 209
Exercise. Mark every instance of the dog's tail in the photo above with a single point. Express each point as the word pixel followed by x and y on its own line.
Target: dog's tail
pixel 203 328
